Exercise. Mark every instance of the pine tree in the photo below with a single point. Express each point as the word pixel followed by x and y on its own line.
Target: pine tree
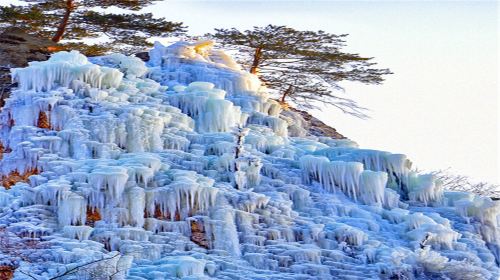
pixel 303 66
pixel 77 19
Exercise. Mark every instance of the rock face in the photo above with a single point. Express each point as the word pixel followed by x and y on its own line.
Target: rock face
pixel 184 167
pixel 6 272
pixel 314 126
pixel 16 49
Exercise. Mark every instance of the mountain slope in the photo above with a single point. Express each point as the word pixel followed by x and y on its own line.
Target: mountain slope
pixel 184 167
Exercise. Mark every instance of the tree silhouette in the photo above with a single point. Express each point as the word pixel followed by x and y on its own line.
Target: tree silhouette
pixel 303 66
pixel 76 19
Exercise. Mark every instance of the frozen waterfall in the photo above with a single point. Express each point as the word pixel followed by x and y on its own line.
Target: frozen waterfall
pixel 184 167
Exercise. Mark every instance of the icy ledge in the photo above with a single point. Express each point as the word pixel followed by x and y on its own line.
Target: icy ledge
pixel 183 167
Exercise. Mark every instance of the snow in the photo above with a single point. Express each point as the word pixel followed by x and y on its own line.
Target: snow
pixel 137 176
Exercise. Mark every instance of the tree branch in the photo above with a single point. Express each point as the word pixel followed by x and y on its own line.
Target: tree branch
pixel 75 269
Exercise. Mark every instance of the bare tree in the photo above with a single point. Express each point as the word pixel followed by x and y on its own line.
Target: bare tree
pixel 463 183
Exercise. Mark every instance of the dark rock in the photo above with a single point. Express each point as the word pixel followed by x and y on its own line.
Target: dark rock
pixel 17 48
pixel 317 127
pixel 143 55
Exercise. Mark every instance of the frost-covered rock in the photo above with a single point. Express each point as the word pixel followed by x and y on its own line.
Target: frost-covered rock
pixel 183 167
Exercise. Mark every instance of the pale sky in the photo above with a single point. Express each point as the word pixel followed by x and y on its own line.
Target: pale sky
pixel 441 105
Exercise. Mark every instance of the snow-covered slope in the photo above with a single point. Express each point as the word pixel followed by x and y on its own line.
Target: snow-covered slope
pixel 183 167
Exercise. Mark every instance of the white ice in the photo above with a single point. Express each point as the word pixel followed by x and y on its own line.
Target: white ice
pixel 185 167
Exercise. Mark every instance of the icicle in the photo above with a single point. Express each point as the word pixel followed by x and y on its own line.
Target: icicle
pixel 111 179
pixel 136 197
pixel 186 194
pixel 72 210
pixel 425 188
pixel 224 232
pixel 344 175
pixel 397 166
pixel 77 232
pixel 207 107
pixel 61 69
pixel 279 126
pixel 350 235
pixel 372 186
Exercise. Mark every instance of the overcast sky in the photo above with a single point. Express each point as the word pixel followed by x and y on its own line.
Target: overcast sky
pixel 440 107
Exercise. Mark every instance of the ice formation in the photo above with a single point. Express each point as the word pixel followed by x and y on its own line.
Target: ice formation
pixel 183 167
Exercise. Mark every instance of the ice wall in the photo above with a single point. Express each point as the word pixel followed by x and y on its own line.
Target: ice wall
pixel 184 167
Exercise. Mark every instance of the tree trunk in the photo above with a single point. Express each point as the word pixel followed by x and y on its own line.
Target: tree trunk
pixel 64 22
pixel 256 60
pixel 286 93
